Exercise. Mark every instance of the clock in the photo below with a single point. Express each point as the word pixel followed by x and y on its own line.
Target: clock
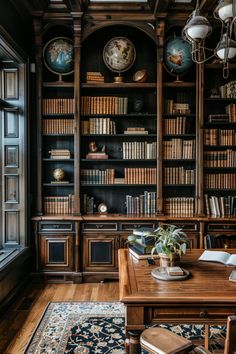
pixel 102 208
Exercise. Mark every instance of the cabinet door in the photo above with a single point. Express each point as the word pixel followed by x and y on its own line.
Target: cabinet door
pixel 100 252
pixel 56 252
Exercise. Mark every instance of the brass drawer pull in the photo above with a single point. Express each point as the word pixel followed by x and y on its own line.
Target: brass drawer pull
pixel 202 314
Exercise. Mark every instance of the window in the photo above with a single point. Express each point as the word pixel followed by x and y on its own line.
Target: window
pixel 13 153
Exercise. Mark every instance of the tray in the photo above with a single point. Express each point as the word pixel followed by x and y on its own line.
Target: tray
pixel 161 274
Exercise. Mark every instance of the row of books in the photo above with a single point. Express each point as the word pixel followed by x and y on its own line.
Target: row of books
pixel 228 90
pixel 231 111
pixel 219 137
pixel 97 176
pixel 226 158
pixel 179 175
pixel 220 181
pixel 131 176
pixel 142 204
pixel 179 206
pixel 177 125
pixel 58 205
pixel 57 105
pixel 139 150
pixel 179 149
pixel 60 154
pixel 219 241
pixel 58 126
pixel 94 77
pixel 140 175
pixel 104 105
pixel 172 107
pixel 220 206
pixel 88 204
pixel 98 126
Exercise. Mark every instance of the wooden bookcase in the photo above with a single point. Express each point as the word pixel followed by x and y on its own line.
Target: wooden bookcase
pixel 172 180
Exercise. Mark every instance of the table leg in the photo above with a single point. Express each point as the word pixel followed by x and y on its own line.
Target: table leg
pixel 206 340
pixel 132 344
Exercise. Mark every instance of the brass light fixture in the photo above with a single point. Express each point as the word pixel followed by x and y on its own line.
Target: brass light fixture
pixel 198 28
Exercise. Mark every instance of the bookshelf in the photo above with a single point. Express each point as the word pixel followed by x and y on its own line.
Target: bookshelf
pixel 154 152
pixel 219 144
pixel 112 120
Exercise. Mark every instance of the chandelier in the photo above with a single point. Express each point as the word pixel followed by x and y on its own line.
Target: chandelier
pixel 198 28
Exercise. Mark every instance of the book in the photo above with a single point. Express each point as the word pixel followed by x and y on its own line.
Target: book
pixel 218 256
pixel 174 271
pixel 138 246
pixel 232 276
pixel 143 231
pixel 139 255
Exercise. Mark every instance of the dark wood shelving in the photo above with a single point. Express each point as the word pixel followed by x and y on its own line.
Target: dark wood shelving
pixel 58 84
pixel 118 160
pixel 179 136
pixel 118 185
pixel 58 135
pixel 128 115
pixel 189 115
pixel 181 84
pixel 219 66
pixel 123 85
pixel 58 115
pixel 48 159
pixel 120 135
pixel 58 184
pixel 179 160
pixel 178 185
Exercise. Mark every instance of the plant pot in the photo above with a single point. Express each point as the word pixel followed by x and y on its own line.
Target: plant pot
pixel 166 261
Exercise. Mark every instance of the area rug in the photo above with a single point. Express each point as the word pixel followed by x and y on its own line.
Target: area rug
pixel 96 327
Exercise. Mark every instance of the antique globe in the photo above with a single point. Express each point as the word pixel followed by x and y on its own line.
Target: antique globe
pixel 59 174
pixel 119 55
pixel 177 56
pixel 58 56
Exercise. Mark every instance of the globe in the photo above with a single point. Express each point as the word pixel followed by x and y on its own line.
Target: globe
pixel 177 56
pixel 119 54
pixel 58 56
pixel 59 174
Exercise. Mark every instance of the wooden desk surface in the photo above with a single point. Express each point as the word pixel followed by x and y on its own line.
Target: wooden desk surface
pixel 208 282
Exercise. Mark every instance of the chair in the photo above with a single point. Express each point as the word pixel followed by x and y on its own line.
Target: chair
pixel 157 340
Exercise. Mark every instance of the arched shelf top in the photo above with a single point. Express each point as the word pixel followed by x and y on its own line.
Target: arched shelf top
pixel 146 28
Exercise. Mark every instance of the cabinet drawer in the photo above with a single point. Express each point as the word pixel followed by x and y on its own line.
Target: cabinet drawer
pixel 186 226
pixel 221 227
pixel 133 225
pixel 99 226
pixel 56 227
pixel 198 313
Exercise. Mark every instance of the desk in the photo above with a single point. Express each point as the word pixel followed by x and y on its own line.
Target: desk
pixel 207 297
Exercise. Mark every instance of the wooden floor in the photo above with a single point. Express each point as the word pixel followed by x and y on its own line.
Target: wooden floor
pixel 18 323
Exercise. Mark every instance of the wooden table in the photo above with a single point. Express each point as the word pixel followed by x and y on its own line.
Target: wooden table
pixel 207 297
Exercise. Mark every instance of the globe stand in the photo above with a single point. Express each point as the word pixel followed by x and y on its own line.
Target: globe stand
pixel 118 79
pixel 178 80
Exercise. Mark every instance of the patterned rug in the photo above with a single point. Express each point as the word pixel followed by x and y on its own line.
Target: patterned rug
pixel 95 327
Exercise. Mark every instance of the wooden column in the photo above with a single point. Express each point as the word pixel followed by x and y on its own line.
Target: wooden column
pixel 38 64
pixel 77 78
pixel 160 41
pixel 199 196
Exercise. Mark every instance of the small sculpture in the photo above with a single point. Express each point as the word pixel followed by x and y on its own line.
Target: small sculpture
pixel 93 147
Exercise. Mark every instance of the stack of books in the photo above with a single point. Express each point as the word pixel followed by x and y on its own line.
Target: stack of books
pixel 135 131
pixel 60 154
pixel 94 76
pixel 97 155
pixel 143 244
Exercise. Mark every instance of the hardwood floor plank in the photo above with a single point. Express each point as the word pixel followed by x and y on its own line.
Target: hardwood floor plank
pixel 18 323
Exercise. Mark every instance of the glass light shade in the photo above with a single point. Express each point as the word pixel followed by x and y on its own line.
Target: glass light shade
pixel 226 48
pixel 197 28
pixel 197 32
pixel 225 10
pixel 221 53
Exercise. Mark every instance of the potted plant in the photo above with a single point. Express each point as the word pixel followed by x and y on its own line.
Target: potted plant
pixel 169 241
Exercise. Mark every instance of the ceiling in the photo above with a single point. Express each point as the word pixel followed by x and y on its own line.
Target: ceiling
pixel 156 7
